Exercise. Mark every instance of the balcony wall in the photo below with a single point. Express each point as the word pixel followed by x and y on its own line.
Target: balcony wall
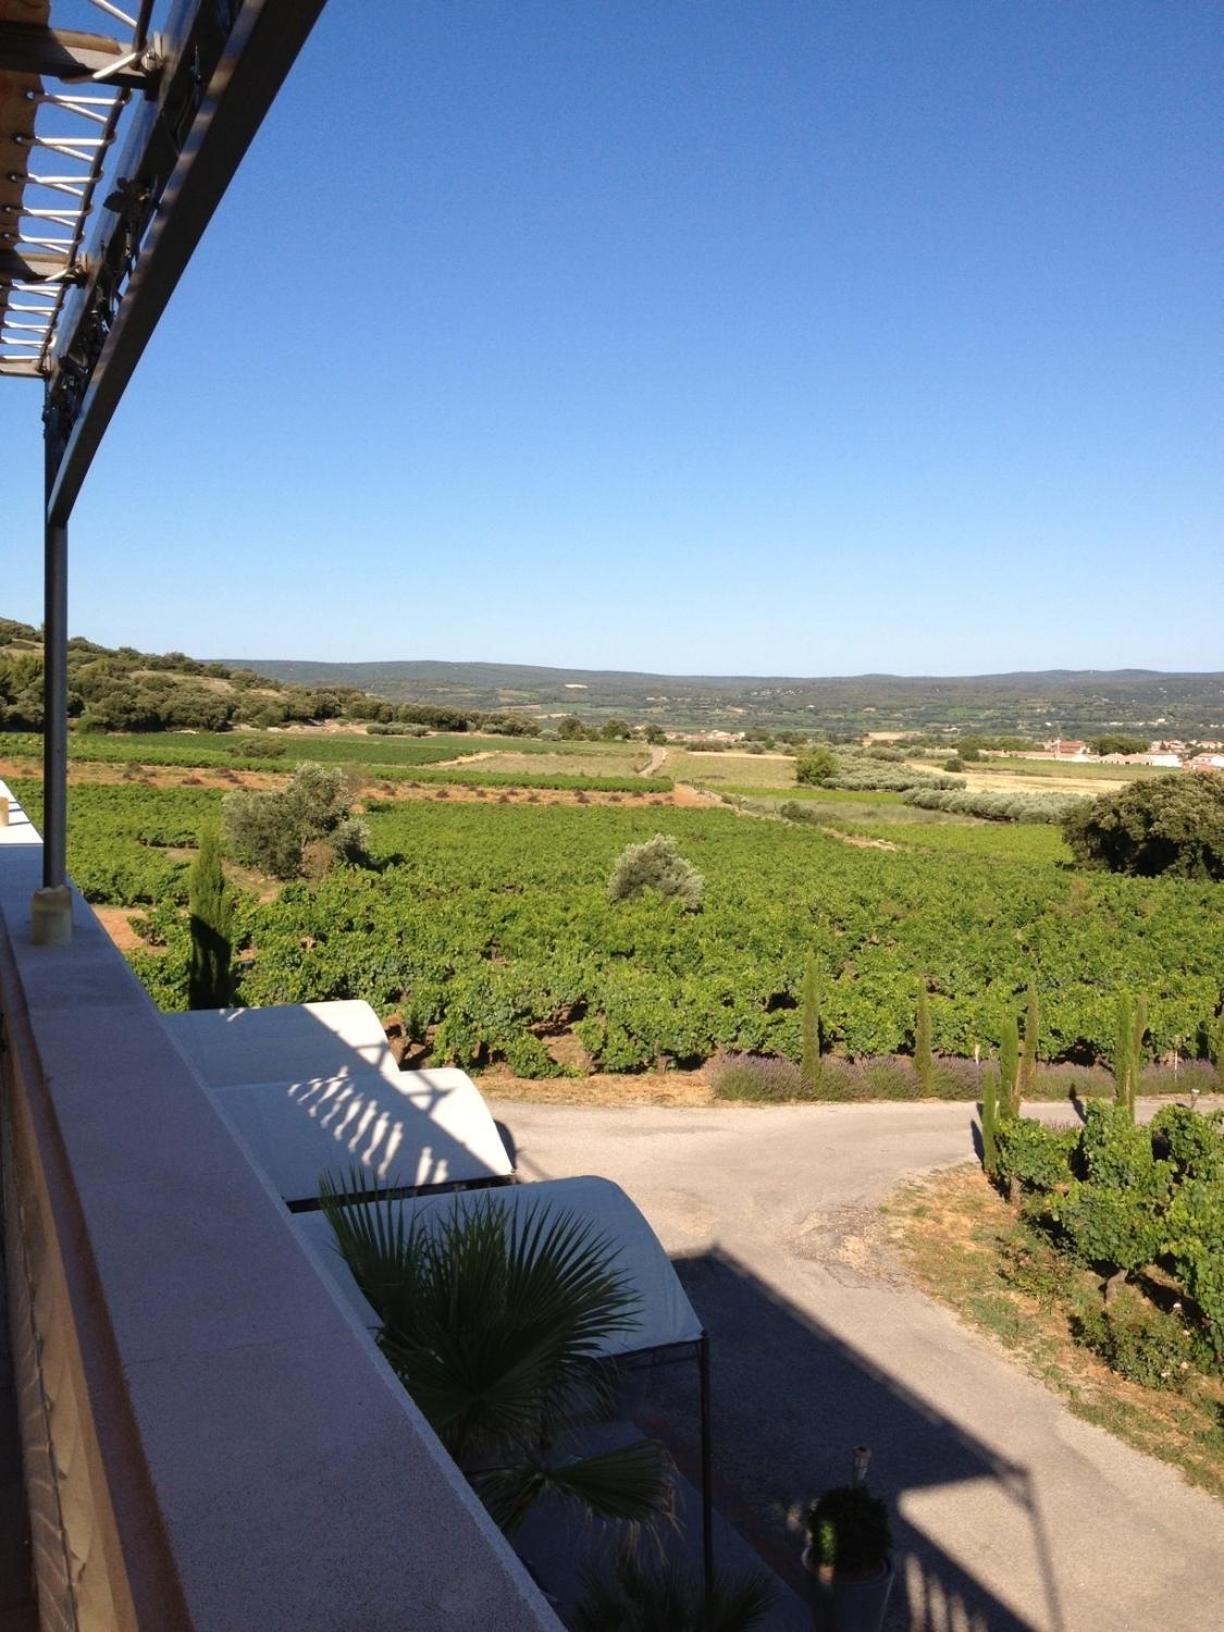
pixel 209 1440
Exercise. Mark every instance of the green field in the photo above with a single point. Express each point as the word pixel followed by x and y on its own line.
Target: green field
pixel 232 748
pixel 488 925
pixel 1060 768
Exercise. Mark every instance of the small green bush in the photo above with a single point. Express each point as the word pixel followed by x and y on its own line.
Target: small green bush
pixel 849 1530
pixel 656 865
pixel 1193 1143
pixel 756 1077
pixel 1034 1156
pixel 815 767
pixel 1137 1340
pixel 1033 1266
pixel 276 831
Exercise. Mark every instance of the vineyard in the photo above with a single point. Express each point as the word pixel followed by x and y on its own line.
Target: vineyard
pixel 488 927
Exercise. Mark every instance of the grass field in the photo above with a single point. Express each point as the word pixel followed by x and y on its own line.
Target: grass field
pixel 1009 841
pixel 743 772
pixel 618 759
pixel 1048 776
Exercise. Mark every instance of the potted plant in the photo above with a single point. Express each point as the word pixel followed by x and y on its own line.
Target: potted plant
pixel 846 1559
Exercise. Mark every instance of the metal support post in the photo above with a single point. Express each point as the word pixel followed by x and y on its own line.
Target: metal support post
pixel 51 908
pixel 707 1496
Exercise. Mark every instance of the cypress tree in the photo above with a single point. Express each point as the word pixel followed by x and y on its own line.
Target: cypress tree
pixel 211 909
pixel 810 1066
pixel 924 1063
pixel 1032 1031
pixel 1138 1033
pixel 990 1124
pixel 1009 1067
pixel 1124 1051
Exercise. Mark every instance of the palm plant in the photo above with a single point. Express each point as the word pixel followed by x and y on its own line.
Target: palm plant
pixel 496 1320
pixel 667 1598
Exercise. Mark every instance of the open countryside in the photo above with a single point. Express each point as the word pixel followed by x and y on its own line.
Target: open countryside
pixel 656 1064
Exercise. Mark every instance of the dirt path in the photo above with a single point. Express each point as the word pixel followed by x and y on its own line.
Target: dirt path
pixel 655 763
pixel 859 840
pixel 463 759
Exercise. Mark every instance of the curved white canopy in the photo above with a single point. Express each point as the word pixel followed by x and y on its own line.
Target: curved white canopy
pixel 666 1315
pixel 313 1088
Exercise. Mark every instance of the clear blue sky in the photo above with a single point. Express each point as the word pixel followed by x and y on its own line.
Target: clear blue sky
pixel 727 336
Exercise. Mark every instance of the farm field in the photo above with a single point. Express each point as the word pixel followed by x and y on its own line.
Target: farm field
pixel 487 927
pixel 741 771
pixel 1046 776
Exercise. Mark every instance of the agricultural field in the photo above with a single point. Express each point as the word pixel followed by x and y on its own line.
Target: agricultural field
pixel 456 759
pixel 1047 776
pixel 743 772
pixel 486 925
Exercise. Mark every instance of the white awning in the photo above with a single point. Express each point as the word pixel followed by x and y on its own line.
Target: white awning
pixel 313 1089
pixel 291 1040
pixel 18 829
pixel 666 1315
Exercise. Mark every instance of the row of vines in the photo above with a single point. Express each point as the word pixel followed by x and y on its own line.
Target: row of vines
pixel 490 928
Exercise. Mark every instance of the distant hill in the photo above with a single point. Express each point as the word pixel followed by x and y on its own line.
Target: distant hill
pixel 121 689
pixel 1068 701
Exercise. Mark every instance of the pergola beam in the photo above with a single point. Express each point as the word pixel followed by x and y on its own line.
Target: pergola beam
pixel 18 266
pixel 64 54
pixel 221 76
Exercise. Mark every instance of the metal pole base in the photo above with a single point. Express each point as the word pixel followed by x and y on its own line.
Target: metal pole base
pixel 51 916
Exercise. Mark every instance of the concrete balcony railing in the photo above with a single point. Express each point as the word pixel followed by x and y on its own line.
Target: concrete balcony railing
pixel 209 1440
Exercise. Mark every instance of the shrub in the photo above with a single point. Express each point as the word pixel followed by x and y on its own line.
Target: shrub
pixel 924 1064
pixel 1032 1030
pixel 1193 1143
pixel 665 1596
pixel 810 1025
pixel 1137 1340
pixel 1130 1030
pixel 1032 1155
pixel 990 1125
pixel 271 831
pixel 993 807
pixel 1029 1263
pixel 757 1077
pixel 849 1530
pixel 815 767
pixel 248 747
pixel 1167 824
pixel 1009 1066
pixel 211 916
pixel 656 865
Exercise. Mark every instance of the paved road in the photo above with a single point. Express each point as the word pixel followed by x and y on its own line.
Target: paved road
pixel 1014 1516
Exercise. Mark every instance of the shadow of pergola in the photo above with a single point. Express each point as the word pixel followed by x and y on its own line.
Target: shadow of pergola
pixel 790 1400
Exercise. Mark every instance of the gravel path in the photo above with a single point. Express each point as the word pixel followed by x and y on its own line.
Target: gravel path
pixel 1012 1513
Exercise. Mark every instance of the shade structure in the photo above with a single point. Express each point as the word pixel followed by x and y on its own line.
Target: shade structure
pixel 313 1089
pixel 276 1044
pixel 15 826
pixel 666 1317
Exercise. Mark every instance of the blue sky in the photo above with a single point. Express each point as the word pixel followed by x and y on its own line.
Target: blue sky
pixel 725 336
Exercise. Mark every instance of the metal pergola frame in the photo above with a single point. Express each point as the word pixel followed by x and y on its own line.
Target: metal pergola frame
pixel 198 92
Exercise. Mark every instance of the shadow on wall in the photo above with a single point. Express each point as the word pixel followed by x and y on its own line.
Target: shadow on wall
pixel 790 1400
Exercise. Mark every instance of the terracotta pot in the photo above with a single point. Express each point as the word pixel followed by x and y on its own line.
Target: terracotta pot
pixel 841 1603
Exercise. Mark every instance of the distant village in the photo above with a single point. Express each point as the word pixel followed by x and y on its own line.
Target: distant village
pixel 1169 755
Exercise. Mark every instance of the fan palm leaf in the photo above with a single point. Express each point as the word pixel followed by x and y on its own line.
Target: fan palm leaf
pixel 667 1598
pixel 497 1320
